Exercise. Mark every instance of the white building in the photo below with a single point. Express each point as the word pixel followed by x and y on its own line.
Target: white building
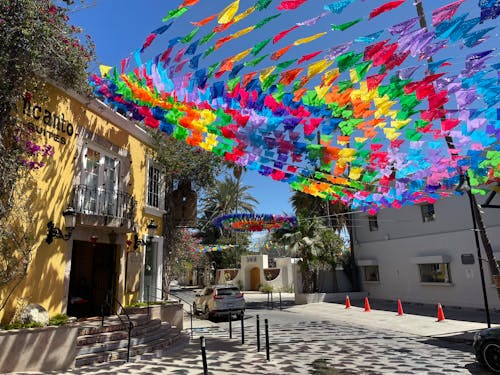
pixel 427 253
pixel 255 273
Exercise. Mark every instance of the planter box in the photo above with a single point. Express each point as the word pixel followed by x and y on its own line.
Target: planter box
pixel 170 312
pixel 304 298
pixel 38 349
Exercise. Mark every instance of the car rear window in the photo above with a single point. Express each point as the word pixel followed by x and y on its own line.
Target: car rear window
pixel 228 291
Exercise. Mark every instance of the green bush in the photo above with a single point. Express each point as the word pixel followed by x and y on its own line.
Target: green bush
pixel 145 304
pixel 58 320
pixel 19 325
pixel 266 288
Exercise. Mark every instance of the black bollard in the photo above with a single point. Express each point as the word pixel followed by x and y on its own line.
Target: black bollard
pixel 267 339
pixel 242 317
pixel 280 299
pixel 230 324
pixel 191 317
pixel 204 355
pixel 258 333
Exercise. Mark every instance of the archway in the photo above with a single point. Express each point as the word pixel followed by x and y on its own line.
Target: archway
pixel 255 278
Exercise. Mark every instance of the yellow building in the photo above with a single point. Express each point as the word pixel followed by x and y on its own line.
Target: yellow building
pixel 102 177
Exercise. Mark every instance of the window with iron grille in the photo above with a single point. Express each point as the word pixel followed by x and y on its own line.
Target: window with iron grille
pixel 370 273
pixel 153 198
pixel 373 223
pixel 434 273
pixel 428 213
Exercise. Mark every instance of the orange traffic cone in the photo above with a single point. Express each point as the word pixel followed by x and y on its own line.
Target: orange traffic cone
pixel 367 305
pixel 400 308
pixel 440 313
pixel 347 302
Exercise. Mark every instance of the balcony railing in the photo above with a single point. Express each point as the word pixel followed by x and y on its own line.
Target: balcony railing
pixel 102 202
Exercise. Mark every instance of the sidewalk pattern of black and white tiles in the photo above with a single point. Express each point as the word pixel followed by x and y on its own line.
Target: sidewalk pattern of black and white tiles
pixel 320 348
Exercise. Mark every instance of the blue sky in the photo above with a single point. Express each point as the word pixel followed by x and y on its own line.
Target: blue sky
pixel 119 28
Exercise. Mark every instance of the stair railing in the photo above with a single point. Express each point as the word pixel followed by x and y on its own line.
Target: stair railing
pixel 108 301
pixel 190 312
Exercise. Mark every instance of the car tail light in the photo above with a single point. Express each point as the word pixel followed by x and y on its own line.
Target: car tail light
pixel 215 296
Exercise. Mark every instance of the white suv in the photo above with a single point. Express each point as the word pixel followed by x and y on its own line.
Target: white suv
pixel 219 300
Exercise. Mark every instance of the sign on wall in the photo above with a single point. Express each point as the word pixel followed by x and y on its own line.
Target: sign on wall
pixel 133 274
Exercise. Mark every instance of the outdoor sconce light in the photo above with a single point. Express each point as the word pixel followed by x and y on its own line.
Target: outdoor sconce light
pixel 151 232
pixel 70 223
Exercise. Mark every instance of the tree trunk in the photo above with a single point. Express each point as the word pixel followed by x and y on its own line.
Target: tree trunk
pixel 486 242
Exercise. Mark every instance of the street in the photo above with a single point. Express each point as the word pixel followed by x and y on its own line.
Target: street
pixel 305 340
pixel 320 339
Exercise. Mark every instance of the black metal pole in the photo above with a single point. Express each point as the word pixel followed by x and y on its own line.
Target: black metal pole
pixel 280 299
pixel 147 300
pixel 191 317
pixel 258 333
pixel 204 355
pixel 242 317
pixel 267 339
pixel 102 315
pixel 479 257
pixel 230 324
pixel 130 326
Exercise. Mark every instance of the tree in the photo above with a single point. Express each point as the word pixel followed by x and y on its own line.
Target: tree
pixel 180 163
pixel 16 243
pixel 183 255
pixel 319 247
pixel 226 196
pixel 335 215
pixel 36 41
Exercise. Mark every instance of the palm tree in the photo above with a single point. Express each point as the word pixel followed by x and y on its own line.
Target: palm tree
pixel 228 196
pixel 335 215
pixel 333 212
pixel 318 246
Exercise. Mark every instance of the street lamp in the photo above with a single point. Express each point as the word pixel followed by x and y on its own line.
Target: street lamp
pixel 151 232
pixel 464 186
pixel 69 223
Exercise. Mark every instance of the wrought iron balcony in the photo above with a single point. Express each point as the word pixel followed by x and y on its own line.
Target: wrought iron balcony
pixel 112 206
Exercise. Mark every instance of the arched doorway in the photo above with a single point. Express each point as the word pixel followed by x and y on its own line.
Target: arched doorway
pixel 254 278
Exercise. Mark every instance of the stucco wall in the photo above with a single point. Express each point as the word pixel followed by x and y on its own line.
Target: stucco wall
pixel 403 235
pixel 38 349
pixel 48 273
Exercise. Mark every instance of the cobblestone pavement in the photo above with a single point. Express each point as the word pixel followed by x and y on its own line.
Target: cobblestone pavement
pixel 310 347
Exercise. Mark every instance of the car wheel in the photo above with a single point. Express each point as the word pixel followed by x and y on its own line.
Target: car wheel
pixel 207 313
pixel 491 355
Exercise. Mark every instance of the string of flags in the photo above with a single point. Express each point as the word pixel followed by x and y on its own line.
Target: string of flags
pixel 247 222
pixel 386 119
pixel 212 248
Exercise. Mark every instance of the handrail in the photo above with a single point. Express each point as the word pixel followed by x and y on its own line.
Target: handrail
pixel 109 296
pixel 190 312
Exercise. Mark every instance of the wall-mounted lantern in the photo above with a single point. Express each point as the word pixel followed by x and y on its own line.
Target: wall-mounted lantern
pixel 69 223
pixel 151 232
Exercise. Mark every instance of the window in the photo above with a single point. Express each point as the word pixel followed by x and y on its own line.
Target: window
pixel 428 213
pixel 373 223
pixel 99 178
pixel 434 273
pixel 370 273
pixel 155 190
pixel 153 187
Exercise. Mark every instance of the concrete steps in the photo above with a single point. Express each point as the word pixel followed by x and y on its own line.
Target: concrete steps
pixel 96 344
